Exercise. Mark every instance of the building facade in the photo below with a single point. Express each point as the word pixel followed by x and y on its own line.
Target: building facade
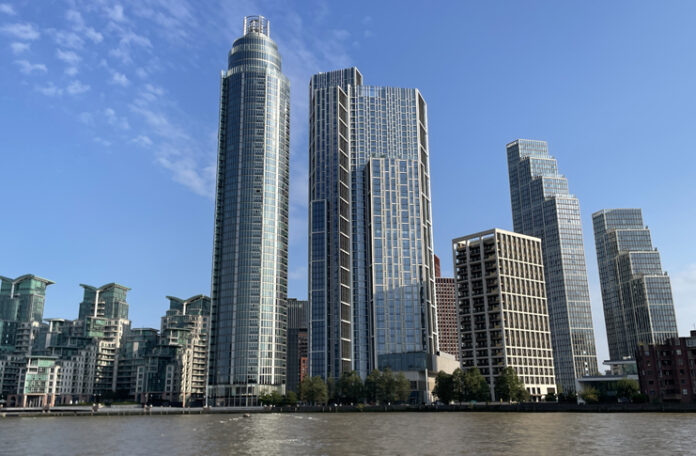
pixel 667 371
pixel 447 319
pixel 297 343
pixel 503 313
pixel 250 250
pixel 543 207
pixel 636 293
pixel 371 273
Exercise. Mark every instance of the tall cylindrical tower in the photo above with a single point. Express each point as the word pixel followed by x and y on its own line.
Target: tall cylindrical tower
pixel 250 250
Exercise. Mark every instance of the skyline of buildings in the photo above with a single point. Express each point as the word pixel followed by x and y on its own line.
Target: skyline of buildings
pixel 250 249
pixel 371 273
pixel 372 276
pixel 543 207
pixel 636 293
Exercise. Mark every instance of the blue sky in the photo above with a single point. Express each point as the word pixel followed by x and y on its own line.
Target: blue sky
pixel 109 123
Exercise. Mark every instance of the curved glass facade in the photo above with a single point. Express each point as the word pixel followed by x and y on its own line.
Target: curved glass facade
pixel 250 251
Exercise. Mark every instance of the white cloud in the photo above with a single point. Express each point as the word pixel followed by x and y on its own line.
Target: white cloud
pixel 76 87
pixel 119 79
pixel 93 35
pixel 102 141
pixel 18 48
pixel 27 67
pixel 21 31
pixel 115 120
pixel 6 8
pixel 75 17
pixel 186 170
pixel 684 290
pixel 71 71
pixel 142 140
pixel 68 57
pixel 50 90
pixel 68 39
pixel 115 13
pixel 86 118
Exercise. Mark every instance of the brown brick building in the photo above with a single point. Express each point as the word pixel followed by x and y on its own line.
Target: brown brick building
pixel 667 372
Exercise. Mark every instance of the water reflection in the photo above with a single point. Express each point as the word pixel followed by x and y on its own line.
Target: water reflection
pixel 354 434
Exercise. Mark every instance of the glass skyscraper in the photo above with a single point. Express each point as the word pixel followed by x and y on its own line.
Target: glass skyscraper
pixel 371 274
pixel 250 251
pixel 636 293
pixel 542 206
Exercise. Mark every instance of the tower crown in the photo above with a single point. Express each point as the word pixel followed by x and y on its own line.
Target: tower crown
pixel 257 24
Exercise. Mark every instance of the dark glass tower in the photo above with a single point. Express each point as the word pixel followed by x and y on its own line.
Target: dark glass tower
pixel 250 250
pixel 542 206
pixel 636 293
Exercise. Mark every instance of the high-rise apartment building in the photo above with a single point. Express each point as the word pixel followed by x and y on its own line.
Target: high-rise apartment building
pixel 503 313
pixel 22 299
pixel 636 293
pixel 371 274
pixel 250 250
pixel 543 207
pixel 297 343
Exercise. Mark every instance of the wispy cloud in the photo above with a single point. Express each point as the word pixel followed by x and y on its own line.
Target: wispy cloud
pixel 79 26
pixel 102 141
pixel 142 140
pixel 68 57
pixel 115 13
pixel 71 71
pixel 119 79
pixel 21 31
pixel 67 39
pixel 50 90
pixel 76 87
pixel 19 48
pixel 114 120
pixel 27 67
pixel 6 8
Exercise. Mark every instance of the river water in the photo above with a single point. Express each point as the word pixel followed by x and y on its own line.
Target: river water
pixel 354 434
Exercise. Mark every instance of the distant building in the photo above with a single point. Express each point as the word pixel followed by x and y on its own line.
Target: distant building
pixel 503 313
pixel 667 371
pixel 447 320
pixel 607 384
pixel 542 206
pixel 169 366
pixel 636 293
pixel 297 343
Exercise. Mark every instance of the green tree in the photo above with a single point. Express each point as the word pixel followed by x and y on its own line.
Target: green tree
pixel 403 388
pixel 350 388
pixel 475 386
pixel 313 390
pixel 444 387
pixel 550 397
pixel 590 395
pixel 276 398
pixel 459 393
pixel 290 399
pixel 509 387
pixel 626 388
pixel 385 386
pixel 371 383
pixel 331 389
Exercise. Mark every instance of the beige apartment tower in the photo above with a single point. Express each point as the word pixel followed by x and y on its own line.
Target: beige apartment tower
pixel 503 314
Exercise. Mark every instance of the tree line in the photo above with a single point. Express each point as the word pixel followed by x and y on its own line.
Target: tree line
pixel 382 387
pixel 461 386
